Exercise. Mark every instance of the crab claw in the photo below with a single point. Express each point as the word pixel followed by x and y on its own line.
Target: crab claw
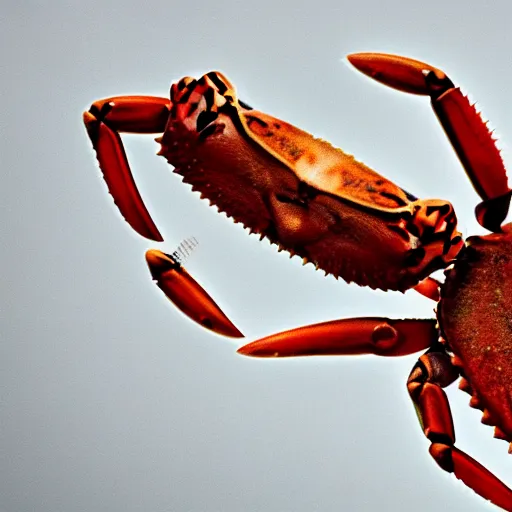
pixel 104 121
pixel 402 73
pixel 469 135
pixel 188 295
pixel 351 336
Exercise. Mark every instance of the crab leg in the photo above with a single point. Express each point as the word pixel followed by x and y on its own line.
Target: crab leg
pixel 187 294
pixel 433 372
pixel 129 114
pixel 379 336
pixel 147 114
pixel 467 132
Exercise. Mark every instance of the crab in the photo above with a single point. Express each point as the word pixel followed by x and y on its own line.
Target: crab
pixel 318 202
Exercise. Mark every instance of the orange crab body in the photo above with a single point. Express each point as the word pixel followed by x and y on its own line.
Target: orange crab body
pixel 301 192
pixel 318 202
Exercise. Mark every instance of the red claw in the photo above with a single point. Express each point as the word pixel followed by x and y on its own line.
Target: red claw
pixel 352 336
pixel 468 133
pixel 119 179
pixel 188 295
pixel 104 120
pixel 402 73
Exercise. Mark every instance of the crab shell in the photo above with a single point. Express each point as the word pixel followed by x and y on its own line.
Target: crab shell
pixel 475 317
pixel 303 194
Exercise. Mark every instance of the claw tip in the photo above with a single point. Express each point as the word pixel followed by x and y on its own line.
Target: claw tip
pixel 250 350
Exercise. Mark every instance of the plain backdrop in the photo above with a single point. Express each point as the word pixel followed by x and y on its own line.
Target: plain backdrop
pixel 111 400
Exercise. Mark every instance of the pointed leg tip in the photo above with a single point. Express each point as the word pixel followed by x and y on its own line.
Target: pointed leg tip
pixel 362 61
pixel 245 351
pixel 231 331
pixel 351 57
pixel 254 349
pixel 215 321
pixel 156 236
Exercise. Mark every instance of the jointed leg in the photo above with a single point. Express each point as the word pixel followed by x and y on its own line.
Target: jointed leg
pixel 433 372
pixel 379 336
pixel 104 121
pixel 468 134
pixel 187 294
pixel 146 114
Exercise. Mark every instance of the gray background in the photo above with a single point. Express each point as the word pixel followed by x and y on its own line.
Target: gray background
pixel 113 401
